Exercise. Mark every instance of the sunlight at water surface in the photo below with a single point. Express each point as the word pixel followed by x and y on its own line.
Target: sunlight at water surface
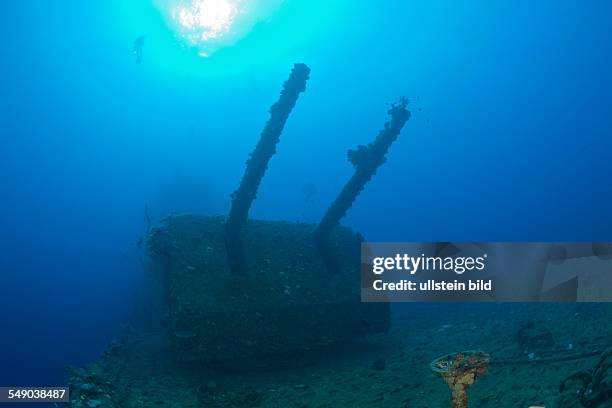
pixel 210 25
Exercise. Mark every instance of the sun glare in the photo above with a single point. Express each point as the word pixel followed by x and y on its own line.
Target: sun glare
pixel 204 20
pixel 210 25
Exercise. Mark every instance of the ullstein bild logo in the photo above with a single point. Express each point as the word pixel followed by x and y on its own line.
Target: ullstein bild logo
pixel 414 264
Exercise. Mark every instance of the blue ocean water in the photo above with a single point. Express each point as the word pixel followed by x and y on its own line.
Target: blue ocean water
pixel 510 139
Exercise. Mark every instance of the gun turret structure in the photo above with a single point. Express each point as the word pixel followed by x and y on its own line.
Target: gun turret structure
pixel 366 159
pixel 241 289
pixel 257 165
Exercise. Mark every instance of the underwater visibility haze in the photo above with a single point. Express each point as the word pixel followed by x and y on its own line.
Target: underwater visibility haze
pixel 124 130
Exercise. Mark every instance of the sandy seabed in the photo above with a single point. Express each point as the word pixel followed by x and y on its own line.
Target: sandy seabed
pixel 387 370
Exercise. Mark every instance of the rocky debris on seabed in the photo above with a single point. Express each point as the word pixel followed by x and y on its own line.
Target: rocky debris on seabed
pixel 379 364
pixel 534 337
pixel 211 396
pixel 589 389
pixel 89 388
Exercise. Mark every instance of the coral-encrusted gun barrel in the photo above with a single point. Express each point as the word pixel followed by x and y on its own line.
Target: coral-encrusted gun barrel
pixel 366 160
pixel 257 165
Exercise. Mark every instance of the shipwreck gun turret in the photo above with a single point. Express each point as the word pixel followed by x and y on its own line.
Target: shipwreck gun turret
pixel 366 159
pixel 247 289
pixel 257 165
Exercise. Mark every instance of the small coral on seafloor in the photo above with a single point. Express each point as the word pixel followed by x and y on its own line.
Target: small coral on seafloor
pixel 460 370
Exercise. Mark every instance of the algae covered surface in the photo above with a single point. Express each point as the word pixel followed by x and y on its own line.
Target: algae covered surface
pixel 287 302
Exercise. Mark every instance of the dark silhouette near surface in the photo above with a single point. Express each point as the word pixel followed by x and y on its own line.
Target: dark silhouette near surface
pixel 138 46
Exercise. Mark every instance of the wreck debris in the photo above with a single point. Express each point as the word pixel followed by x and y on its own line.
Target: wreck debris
pixel 592 389
pixel 572 389
pixel 257 164
pixel 366 159
pixel 460 370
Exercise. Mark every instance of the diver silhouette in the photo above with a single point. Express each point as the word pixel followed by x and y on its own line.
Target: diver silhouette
pixel 138 45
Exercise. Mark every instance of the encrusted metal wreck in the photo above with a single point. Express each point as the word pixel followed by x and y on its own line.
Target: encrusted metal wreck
pixel 239 289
